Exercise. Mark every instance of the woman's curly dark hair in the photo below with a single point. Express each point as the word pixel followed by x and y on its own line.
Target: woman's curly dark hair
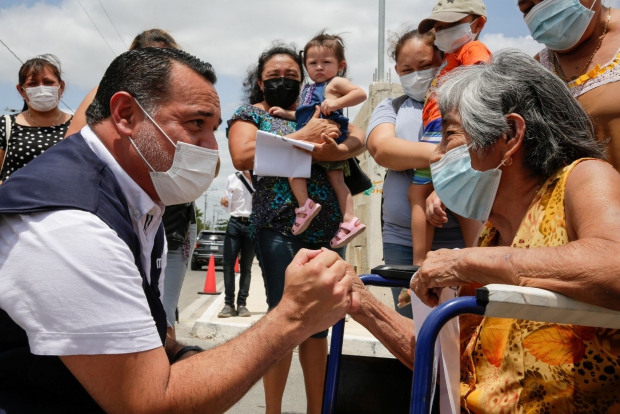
pixel 251 91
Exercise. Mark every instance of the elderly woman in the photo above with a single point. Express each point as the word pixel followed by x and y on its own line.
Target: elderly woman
pixel 582 39
pixel 515 141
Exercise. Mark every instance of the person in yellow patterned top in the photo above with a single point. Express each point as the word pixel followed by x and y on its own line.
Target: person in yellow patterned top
pixel 520 151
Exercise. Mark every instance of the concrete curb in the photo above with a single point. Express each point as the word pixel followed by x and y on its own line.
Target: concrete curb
pixel 208 327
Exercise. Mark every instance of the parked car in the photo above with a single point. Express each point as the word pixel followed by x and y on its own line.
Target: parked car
pixel 208 243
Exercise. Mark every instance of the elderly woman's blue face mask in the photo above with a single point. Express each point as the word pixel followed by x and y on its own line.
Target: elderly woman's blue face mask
pixel 463 190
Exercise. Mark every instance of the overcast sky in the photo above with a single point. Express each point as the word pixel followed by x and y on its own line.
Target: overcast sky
pixel 229 34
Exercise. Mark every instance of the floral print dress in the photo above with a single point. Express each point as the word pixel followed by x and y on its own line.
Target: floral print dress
pixel 273 203
pixel 520 366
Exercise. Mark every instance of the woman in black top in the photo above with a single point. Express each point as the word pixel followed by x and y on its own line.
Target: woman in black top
pixel 28 134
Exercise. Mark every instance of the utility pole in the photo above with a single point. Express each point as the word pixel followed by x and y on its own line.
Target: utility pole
pixel 204 216
pixel 213 217
pixel 204 212
pixel 381 69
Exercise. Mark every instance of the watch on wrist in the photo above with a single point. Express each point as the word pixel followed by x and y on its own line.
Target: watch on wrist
pixel 184 351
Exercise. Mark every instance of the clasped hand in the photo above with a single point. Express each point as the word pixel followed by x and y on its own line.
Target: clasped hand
pixel 318 289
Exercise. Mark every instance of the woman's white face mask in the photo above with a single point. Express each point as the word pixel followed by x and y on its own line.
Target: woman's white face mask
pixel 416 84
pixel 43 98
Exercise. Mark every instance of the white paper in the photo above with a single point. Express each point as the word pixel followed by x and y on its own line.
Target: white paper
pixel 276 156
pixel 420 313
pixel 449 338
pixel 447 351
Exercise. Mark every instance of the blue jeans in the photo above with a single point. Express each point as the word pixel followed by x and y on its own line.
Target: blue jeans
pixel 275 252
pixel 176 266
pixel 237 242
pixel 397 254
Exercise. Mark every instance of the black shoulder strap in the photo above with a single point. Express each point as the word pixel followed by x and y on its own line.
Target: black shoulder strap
pixel 245 183
pixel 397 102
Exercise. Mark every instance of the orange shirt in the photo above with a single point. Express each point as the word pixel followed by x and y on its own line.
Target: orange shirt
pixel 470 53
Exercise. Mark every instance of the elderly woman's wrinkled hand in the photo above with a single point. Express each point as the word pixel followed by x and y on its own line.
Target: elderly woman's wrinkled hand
pixel 435 211
pixel 357 284
pixel 439 270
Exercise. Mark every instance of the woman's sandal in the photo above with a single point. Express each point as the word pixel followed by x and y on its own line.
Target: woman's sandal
pixel 404 298
pixel 309 213
pixel 347 232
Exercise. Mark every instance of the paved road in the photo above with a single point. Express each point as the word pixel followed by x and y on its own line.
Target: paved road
pixel 254 401
pixel 194 282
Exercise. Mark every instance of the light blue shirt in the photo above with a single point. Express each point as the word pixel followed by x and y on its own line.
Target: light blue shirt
pixel 396 208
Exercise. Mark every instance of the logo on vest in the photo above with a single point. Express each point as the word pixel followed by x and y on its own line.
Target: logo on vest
pixel 158 263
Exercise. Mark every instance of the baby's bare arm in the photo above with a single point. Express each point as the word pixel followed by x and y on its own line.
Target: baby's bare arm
pixel 282 113
pixel 341 93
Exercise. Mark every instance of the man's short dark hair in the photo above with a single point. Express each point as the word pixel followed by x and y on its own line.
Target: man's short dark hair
pixel 145 74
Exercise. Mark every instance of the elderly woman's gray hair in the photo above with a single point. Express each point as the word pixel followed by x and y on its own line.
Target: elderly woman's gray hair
pixel 558 130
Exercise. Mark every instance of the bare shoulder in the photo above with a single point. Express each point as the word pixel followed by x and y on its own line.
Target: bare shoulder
pixel 241 126
pixel 338 84
pixel 593 171
pixel 592 200
pixel 591 178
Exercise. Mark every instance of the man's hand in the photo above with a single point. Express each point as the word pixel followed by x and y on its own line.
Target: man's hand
pixel 224 201
pixel 440 269
pixel 318 290
pixel 435 211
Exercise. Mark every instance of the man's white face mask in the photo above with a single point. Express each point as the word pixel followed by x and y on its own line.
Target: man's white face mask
pixel 192 171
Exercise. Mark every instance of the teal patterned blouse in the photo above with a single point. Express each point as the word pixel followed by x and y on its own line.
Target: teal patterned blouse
pixel 273 203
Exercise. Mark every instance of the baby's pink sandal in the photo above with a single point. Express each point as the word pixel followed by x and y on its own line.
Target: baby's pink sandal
pixel 302 222
pixel 347 232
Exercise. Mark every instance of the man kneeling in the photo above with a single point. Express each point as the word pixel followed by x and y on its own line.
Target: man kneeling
pixel 82 249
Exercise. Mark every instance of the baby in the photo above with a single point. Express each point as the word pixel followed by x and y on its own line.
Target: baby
pixel 331 91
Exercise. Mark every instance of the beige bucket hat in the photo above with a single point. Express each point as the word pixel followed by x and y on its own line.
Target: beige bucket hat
pixel 450 11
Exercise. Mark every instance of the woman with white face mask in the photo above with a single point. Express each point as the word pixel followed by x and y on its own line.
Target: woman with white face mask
pixel 582 39
pixel 27 135
pixel 393 140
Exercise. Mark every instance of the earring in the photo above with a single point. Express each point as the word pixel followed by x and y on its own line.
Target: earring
pixel 507 162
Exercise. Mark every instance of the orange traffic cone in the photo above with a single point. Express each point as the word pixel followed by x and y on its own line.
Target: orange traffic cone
pixel 209 288
pixel 237 266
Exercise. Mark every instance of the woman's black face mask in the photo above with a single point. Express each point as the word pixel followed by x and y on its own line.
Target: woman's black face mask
pixel 282 92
